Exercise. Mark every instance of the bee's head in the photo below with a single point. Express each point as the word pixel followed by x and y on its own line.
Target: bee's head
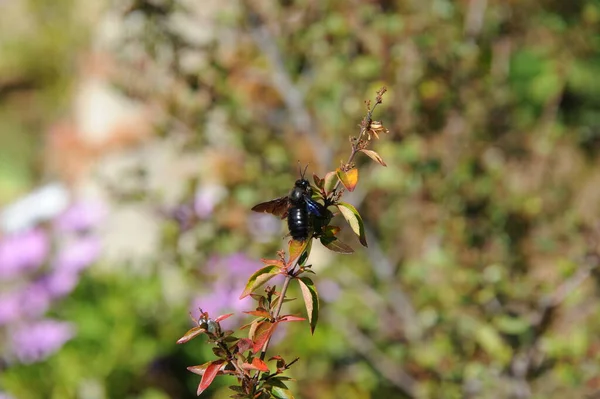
pixel 302 183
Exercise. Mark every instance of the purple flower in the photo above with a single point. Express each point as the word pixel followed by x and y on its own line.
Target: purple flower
pixel 61 282
pixel 329 290
pixel 78 255
pixel 34 300
pixel 10 308
pixel 33 342
pixel 22 252
pixel 81 216
pixel 5 396
pixel 234 266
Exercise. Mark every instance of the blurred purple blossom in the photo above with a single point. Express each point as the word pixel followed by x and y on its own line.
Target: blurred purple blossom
pixel 207 197
pixel 61 282
pixel 10 308
pixel 81 216
pixel 35 341
pixel 34 300
pixel 78 254
pixel 231 273
pixel 22 252
pixel 5 396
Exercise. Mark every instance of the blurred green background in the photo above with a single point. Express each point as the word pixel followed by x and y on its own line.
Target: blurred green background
pixel 174 117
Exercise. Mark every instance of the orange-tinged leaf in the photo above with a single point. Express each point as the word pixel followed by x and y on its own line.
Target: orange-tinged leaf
pixel 259 278
pixel 331 230
pixel 259 313
pixel 331 180
pixel 193 333
pixel 296 248
pixel 209 375
pixel 260 365
pixel 291 317
pixel 374 156
pixel 200 369
pixel 223 317
pixel 273 262
pixel 262 333
pixel 311 301
pixel 349 179
pixel 354 220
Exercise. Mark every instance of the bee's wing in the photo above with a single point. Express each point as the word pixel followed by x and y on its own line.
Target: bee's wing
pixel 278 207
pixel 314 207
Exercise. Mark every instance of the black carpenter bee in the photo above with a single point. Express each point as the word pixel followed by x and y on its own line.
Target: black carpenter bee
pixel 297 206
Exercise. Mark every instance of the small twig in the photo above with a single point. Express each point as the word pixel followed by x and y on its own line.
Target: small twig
pixel 284 289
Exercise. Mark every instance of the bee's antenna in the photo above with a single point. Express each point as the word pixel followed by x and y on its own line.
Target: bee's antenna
pixel 304 173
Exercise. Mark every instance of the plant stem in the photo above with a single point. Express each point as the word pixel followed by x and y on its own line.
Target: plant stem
pixel 284 289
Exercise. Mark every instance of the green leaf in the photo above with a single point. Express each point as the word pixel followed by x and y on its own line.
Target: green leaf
pixel 311 300
pixel 334 244
pixel 259 278
pixel 282 393
pixel 331 180
pixel 349 179
pixel 354 220
pixel 374 156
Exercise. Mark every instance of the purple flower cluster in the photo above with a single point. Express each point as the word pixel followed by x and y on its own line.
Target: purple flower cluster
pixel 230 275
pixel 37 268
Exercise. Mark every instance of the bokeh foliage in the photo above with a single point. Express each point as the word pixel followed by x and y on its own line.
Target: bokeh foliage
pixel 479 280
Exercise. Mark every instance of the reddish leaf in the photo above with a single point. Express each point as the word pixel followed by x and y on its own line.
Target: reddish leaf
pixel 260 365
pixel 209 375
pixel 334 244
pixel 311 301
pixel 193 333
pixel 331 230
pixel 349 179
pixel 297 248
pixel 290 317
pixel 354 220
pixel 318 181
pixel 223 317
pixel 261 334
pixel 374 156
pixel 259 278
pixel 331 180
pixel 259 313
pixel 200 369
pixel 244 344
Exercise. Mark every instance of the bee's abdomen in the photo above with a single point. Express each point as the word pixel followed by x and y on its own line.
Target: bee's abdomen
pixel 298 223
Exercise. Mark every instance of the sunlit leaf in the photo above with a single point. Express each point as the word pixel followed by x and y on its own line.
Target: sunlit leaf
pixel 193 333
pixel 374 156
pixel 291 317
pixel 311 301
pixel 260 365
pixel 259 278
pixel 354 220
pixel 200 369
pixel 259 313
pixel 261 334
pixel 281 393
pixel 273 262
pixel 209 375
pixel 297 248
pixel 331 180
pixel 349 179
